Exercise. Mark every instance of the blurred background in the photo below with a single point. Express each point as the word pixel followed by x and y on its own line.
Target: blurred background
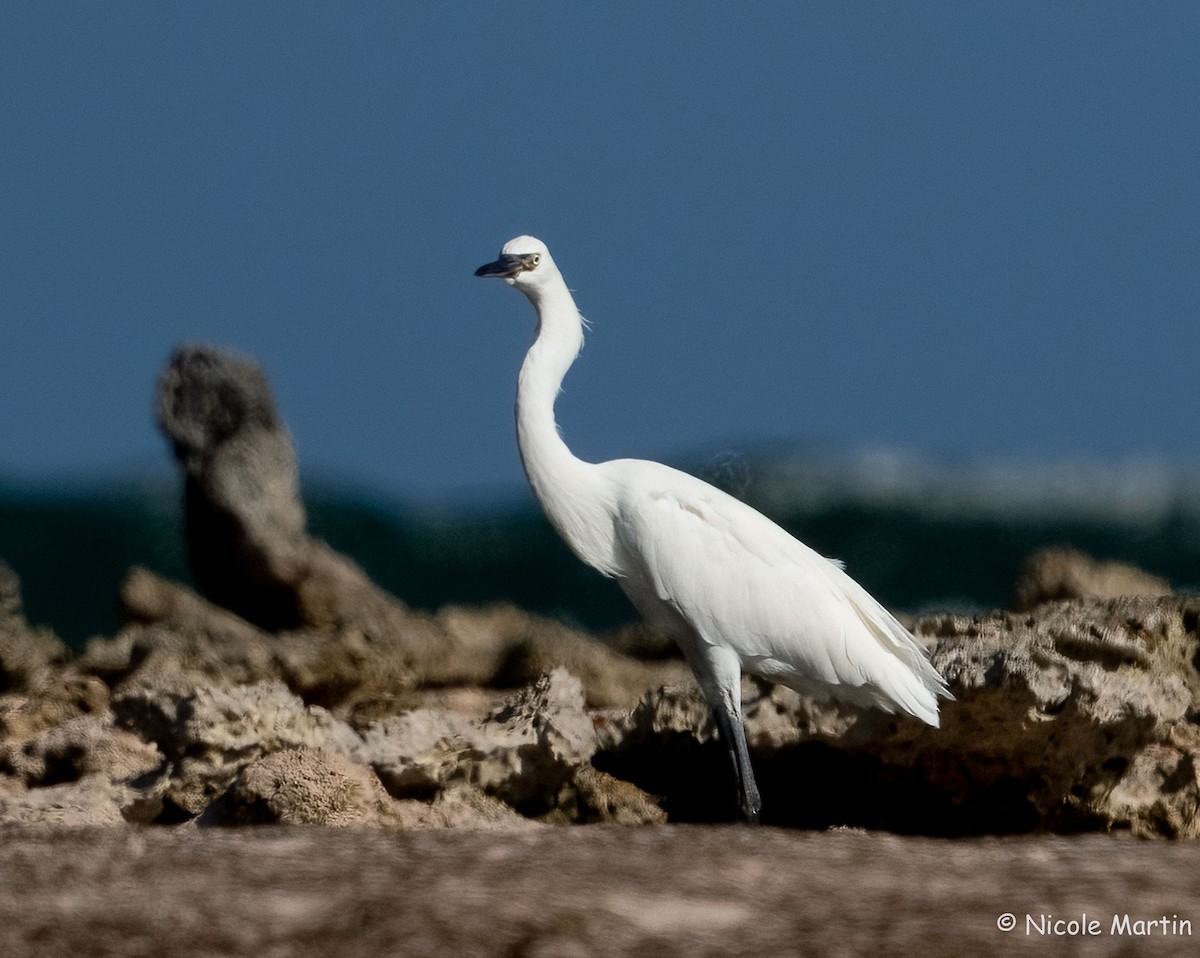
pixel 920 280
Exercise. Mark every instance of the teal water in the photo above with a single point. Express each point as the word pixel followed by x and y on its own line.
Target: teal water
pixel 919 536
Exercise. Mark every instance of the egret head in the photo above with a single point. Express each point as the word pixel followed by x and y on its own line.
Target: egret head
pixel 524 263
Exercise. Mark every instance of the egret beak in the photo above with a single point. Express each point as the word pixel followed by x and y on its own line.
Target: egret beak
pixel 506 267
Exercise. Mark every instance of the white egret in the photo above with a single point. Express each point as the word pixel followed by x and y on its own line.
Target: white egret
pixel 735 591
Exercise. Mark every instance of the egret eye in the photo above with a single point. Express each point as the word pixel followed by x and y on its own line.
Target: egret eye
pixel 532 260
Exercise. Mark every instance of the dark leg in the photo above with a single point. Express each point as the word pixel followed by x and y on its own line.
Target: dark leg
pixel 719 673
pixel 733 734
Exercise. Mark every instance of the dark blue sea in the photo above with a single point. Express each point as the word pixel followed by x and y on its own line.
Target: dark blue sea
pixel 922 534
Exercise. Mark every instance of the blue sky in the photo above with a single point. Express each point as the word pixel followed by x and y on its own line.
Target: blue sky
pixel 965 229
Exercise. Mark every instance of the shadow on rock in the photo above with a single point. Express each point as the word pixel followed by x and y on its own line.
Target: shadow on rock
pixel 1074 717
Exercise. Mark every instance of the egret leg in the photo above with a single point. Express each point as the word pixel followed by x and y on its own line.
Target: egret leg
pixel 733 734
pixel 719 673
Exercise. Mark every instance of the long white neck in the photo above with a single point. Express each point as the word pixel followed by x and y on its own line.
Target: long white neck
pixel 559 338
pixel 571 491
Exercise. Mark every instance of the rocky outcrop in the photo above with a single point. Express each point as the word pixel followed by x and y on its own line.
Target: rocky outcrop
pixel 312 786
pixel 62 760
pixel 83 772
pixel 533 753
pixel 175 637
pixel 40 685
pixel 1051 575
pixel 256 754
pixel 88 745
pixel 210 733
pixel 1075 717
pixel 251 554
pixel 1070 715
pixel 247 541
pixel 29 657
pixel 244 519
pixel 301 786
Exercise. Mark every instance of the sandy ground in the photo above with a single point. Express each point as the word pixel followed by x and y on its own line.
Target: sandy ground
pixel 664 891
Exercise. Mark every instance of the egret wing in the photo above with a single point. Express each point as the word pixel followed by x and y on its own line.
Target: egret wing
pixel 742 582
pixel 732 574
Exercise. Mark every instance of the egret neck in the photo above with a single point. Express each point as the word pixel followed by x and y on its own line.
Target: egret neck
pixel 572 492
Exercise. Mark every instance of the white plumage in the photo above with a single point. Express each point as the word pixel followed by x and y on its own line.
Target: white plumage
pixel 735 591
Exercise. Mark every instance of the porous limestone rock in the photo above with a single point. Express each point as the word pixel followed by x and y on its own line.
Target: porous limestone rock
pixel 82 746
pixel 40 687
pixel 312 786
pixel 211 732
pixel 301 786
pixel 81 772
pixel 1071 717
pixel 1054 574
pixel 92 800
pixel 524 753
pixel 176 638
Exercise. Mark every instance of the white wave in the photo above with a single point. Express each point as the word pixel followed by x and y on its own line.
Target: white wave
pixel 1133 492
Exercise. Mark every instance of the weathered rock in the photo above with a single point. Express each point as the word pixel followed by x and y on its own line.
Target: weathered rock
pixel 250 552
pixel 29 657
pixel 1075 716
pixel 595 797
pixel 470 701
pixel 525 753
pixel 244 518
pixel 56 698
pixel 1067 714
pixel 418 753
pixel 463 806
pixel 609 678
pixel 210 733
pixel 302 786
pixel 82 772
pixel 39 685
pixel 176 639
pixel 88 745
pixel 307 786
pixel 667 745
pixel 247 542
pixel 1051 575
pixel 92 800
